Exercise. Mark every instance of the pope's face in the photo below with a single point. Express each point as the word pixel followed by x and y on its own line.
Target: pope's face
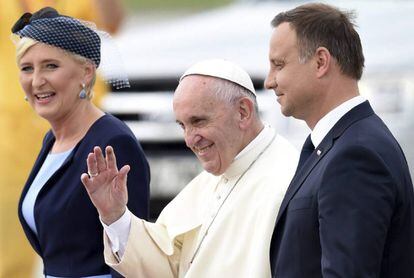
pixel 210 125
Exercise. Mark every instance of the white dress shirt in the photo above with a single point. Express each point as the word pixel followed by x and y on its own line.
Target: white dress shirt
pixel 324 125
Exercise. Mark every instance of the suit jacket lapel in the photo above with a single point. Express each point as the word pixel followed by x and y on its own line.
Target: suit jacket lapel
pixel 300 177
pixel 47 145
pixel 357 113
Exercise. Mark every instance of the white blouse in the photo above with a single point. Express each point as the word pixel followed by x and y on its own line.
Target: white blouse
pixel 51 164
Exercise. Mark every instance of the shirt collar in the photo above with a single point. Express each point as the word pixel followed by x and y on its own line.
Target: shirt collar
pixel 250 152
pixel 255 141
pixel 324 125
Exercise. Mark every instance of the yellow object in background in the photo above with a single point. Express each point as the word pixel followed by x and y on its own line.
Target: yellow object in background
pixel 22 130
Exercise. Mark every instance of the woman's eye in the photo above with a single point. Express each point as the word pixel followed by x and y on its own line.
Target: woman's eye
pixel 26 68
pixel 52 66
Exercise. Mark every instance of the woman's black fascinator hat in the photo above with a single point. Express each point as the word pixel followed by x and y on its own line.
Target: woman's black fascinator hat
pixel 48 26
pixel 76 36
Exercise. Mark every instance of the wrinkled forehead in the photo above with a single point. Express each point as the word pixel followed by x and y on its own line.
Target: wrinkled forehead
pixel 195 85
pixel 195 94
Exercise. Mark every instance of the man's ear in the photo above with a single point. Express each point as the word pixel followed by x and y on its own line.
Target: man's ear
pixel 323 61
pixel 245 112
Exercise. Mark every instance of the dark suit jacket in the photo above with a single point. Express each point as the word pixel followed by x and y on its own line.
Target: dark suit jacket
pixel 69 237
pixel 349 212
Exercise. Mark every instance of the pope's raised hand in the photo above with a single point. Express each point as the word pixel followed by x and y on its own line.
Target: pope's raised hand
pixel 106 185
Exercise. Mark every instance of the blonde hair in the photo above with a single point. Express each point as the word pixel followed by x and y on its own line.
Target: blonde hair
pixel 25 43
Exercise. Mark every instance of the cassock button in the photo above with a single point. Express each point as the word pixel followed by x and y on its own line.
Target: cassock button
pixel 318 152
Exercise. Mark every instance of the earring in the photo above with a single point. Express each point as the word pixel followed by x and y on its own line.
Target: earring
pixel 82 94
pixel 25 98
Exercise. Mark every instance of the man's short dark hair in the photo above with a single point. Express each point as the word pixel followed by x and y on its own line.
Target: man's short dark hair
pixel 319 25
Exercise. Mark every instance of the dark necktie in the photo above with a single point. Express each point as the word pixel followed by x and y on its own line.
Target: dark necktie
pixel 307 150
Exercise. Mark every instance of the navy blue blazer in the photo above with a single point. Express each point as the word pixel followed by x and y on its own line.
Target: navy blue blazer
pixel 69 236
pixel 349 211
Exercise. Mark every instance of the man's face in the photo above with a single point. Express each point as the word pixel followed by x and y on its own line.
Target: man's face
pixel 292 80
pixel 211 126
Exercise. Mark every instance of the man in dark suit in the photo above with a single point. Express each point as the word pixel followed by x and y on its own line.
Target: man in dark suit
pixel 349 210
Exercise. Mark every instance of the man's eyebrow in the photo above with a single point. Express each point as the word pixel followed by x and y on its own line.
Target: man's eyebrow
pixel 277 59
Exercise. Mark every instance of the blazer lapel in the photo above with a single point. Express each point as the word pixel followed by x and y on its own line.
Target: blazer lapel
pixel 300 177
pixel 359 112
pixel 47 145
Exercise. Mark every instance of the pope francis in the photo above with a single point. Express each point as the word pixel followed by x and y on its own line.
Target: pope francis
pixel 221 223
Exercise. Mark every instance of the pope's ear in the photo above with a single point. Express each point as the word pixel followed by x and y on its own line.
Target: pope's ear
pixel 246 112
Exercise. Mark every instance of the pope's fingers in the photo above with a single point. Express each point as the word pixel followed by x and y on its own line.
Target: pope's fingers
pixel 85 180
pixel 100 160
pixel 110 158
pixel 92 164
pixel 124 171
pixel 123 174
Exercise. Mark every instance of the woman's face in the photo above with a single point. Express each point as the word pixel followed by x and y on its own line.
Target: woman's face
pixel 52 81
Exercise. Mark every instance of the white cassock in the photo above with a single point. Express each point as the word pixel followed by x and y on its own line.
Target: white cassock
pixel 217 226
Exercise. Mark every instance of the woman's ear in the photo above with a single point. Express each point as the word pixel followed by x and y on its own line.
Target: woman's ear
pixel 89 70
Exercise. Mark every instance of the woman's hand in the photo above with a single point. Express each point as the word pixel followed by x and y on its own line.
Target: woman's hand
pixel 106 186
